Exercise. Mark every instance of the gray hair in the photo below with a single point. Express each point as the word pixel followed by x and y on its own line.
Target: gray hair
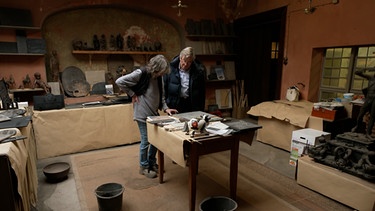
pixel 187 53
pixel 158 65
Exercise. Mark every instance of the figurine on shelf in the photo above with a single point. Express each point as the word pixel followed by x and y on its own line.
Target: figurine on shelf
pixel 77 44
pixel 103 43
pixel 157 46
pixel 96 42
pixel 120 42
pixel 39 83
pixel 131 43
pixel 26 82
pixel 11 83
pixel 112 43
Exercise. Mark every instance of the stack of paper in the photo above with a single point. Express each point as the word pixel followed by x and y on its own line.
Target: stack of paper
pixel 218 128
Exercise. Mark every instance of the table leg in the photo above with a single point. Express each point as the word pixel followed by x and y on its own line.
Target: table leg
pixel 234 169
pixel 193 170
pixel 161 166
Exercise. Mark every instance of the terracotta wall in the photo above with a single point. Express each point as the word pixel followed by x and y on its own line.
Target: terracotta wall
pixel 63 21
pixel 330 25
pixel 196 9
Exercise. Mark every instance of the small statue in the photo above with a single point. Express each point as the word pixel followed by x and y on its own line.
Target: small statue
pixel 112 43
pixel 198 125
pixel 77 45
pixel 103 43
pixel 39 83
pixel 26 82
pixel 131 43
pixel 157 46
pixel 120 42
pixel 96 42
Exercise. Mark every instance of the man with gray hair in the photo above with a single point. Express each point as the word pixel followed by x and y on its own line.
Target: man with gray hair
pixel 184 87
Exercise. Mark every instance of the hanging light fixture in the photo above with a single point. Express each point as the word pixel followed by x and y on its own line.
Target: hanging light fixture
pixel 309 9
pixel 179 6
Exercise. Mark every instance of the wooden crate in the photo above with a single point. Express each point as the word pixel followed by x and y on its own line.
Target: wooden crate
pixel 328 114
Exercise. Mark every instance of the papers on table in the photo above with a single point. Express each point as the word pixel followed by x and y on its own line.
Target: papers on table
pixel 4 118
pixel 161 119
pixel 218 128
pixel 174 126
pixel 197 115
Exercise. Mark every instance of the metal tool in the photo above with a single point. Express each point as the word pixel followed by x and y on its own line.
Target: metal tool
pixel 11 139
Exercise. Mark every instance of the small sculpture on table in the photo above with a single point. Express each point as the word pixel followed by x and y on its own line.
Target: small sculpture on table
pixel 197 126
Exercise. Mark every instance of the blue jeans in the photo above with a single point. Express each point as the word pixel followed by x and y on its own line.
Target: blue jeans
pixel 147 152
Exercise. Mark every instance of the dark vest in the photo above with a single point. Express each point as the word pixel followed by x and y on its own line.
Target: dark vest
pixel 142 85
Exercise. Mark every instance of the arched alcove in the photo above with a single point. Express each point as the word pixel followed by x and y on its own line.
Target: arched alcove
pixel 62 28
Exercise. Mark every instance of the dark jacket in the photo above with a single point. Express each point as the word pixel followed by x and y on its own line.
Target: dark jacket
pixel 197 88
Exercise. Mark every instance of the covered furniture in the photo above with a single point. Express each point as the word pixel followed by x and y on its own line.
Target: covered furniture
pixel 66 131
pixel 18 178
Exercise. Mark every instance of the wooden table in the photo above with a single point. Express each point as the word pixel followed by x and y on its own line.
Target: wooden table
pixel 176 144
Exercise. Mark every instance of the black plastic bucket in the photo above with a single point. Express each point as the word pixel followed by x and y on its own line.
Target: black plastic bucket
pixel 109 196
pixel 218 203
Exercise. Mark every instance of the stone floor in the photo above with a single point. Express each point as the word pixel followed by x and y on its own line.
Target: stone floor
pixel 63 196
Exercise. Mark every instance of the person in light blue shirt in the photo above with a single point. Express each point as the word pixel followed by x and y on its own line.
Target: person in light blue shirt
pixel 184 86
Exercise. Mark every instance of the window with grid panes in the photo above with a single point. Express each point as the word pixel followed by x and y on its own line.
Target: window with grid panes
pixel 338 70
pixel 274 50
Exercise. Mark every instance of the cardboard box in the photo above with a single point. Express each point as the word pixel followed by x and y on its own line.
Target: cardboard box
pixel 345 188
pixel 303 138
pixel 307 137
pixel 280 118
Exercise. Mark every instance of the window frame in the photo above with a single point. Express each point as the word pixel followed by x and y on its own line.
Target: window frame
pixel 352 80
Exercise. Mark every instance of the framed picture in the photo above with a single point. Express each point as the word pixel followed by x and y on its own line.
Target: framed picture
pixel 223 98
pixel 217 71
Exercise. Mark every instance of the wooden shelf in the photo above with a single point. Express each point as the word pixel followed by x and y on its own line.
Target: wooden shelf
pixel 29 28
pixel 215 55
pixel 219 81
pixel 21 54
pixel 26 90
pixel 91 53
pixel 211 37
pixel 85 52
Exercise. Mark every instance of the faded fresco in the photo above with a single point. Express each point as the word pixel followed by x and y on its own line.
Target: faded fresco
pixel 146 33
